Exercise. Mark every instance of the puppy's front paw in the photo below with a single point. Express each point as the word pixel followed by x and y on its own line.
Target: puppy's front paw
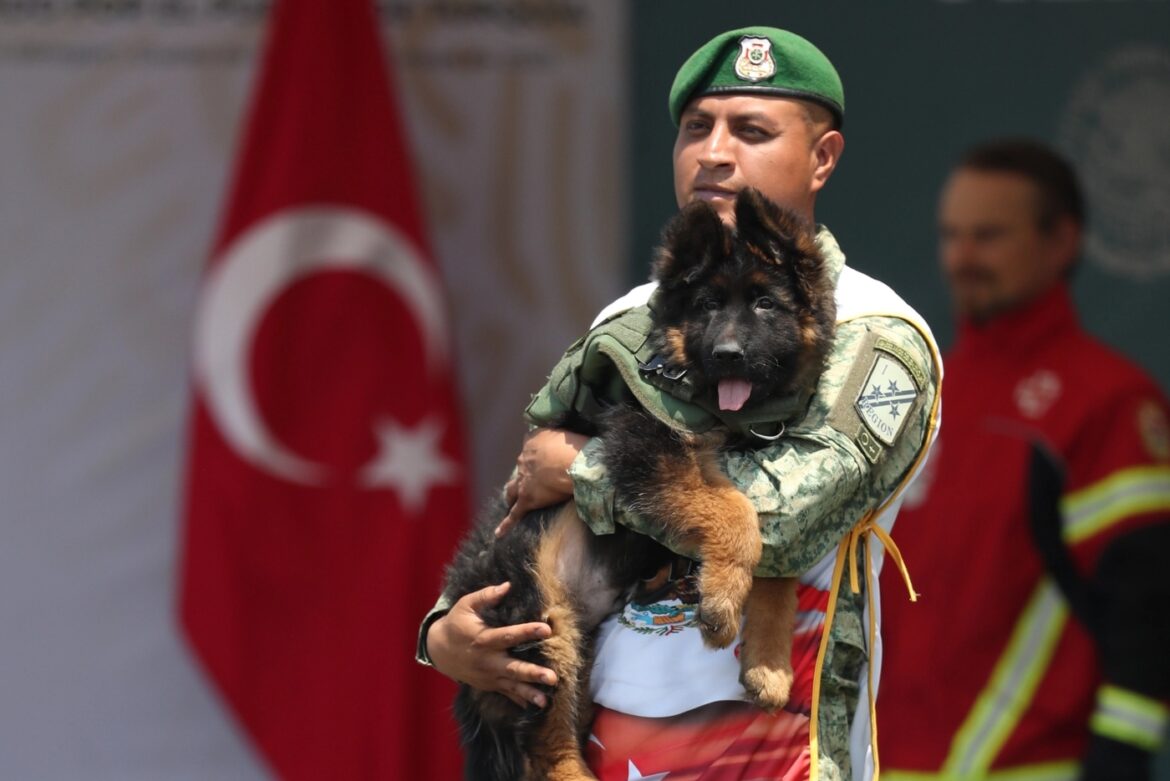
pixel 719 621
pixel 769 688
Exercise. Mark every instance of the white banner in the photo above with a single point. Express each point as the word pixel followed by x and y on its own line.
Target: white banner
pixel 118 129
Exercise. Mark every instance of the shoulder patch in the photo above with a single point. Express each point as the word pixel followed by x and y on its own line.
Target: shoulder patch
pixel 885 386
pixel 886 396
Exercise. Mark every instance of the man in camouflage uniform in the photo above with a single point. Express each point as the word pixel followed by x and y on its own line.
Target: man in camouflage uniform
pixel 756 107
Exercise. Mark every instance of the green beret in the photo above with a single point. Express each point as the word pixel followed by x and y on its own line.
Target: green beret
pixel 759 60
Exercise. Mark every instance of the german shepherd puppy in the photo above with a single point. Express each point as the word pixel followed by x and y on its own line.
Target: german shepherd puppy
pixel 749 313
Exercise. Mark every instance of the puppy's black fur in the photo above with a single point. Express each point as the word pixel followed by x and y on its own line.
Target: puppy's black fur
pixel 495 732
pixel 748 313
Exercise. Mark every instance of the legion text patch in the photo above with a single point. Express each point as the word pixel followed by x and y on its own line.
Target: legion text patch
pixel 888 394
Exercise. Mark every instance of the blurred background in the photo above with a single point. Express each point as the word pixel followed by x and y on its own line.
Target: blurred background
pixel 541 145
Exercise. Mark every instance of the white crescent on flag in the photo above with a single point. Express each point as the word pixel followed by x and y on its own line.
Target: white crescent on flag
pixel 252 273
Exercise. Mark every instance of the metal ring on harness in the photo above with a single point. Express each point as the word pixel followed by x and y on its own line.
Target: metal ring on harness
pixel 767 437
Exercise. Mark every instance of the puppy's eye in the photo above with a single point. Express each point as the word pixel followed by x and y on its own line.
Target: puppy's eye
pixel 707 304
pixel 763 302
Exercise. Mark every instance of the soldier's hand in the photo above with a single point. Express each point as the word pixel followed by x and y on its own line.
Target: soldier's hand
pixel 461 646
pixel 542 473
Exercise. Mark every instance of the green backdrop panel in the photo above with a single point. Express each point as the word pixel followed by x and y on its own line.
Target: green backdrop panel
pixel 923 80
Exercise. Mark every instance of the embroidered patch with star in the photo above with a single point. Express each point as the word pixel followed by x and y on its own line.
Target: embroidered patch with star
pixel 888 394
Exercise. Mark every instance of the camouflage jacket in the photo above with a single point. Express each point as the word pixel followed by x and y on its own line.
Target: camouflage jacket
pixel 841 459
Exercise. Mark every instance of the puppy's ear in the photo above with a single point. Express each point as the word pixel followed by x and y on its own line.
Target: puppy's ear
pixel 692 242
pixel 809 272
pixel 807 265
pixel 759 221
pixel 785 237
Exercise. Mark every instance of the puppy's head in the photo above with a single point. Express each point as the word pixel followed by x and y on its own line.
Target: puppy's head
pixel 749 309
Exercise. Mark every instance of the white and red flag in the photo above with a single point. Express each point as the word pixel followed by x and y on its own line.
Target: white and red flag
pixel 326 480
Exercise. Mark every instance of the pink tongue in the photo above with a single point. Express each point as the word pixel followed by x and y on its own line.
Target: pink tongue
pixel 733 394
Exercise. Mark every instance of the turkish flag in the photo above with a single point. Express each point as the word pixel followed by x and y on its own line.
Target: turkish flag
pixel 326 482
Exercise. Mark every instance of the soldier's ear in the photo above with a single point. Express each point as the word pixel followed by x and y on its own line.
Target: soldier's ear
pixel 692 242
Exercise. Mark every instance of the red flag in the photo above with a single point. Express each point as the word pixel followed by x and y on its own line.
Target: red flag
pixel 326 481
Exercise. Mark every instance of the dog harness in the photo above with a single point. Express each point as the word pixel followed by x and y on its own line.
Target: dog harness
pixel 615 360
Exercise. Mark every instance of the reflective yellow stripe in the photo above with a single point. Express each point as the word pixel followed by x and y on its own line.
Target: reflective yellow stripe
pixel 1132 702
pixel 1127 492
pixel 999 707
pixel 1048 771
pixel 1129 717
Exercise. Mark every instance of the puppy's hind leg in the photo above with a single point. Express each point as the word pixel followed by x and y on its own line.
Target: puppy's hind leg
pixel 554 749
pixel 766 657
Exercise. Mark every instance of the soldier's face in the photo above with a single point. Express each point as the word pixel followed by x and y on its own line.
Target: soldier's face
pixel 994 254
pixel 728 142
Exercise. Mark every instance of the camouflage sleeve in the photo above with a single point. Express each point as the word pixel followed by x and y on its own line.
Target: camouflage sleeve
pixel 592 490
pixel 865 426
pixel 864 430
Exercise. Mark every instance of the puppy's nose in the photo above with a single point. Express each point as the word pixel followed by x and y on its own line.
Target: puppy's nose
pixel 728 351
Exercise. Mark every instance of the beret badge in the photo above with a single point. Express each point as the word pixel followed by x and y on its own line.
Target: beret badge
pixel 755 61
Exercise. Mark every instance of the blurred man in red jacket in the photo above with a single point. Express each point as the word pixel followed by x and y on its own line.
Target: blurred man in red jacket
pixel 1039 647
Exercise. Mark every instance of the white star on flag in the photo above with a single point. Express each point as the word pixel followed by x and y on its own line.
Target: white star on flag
pixel 410 461
pixel 635 773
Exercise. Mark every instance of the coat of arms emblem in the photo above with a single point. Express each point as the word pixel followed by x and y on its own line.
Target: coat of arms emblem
pixel 755 61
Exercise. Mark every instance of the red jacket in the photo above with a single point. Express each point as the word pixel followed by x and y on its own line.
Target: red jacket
pixel 988 671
